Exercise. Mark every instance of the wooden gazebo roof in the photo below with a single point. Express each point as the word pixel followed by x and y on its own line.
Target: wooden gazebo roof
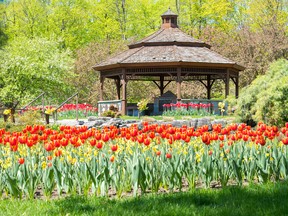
pixel 169 45
pixel 170 55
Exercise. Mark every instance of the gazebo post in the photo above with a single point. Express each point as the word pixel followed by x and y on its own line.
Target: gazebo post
pixel 178 80
pixel 118 87
pixel 101 87
pixel 124 92
pixel 209 87
pixel 161 85
pixel 227 79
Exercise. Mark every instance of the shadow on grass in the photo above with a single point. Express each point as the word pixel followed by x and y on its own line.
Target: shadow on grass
pixel 270 199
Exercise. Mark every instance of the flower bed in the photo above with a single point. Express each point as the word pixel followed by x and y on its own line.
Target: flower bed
pixel 185 109
pixel 77 160
pixel 69 110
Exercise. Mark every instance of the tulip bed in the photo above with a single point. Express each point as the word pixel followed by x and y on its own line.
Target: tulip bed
pixel 84 110
pixel 75 160
pixel 69 110
pixel 187 109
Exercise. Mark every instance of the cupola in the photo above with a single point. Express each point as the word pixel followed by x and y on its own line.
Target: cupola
pixel 169 20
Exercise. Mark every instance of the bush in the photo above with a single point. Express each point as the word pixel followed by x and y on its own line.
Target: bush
pixel 113 112
pixel 266 99
pixel 30 117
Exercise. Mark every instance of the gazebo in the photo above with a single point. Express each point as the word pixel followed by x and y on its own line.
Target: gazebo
pixel 165 56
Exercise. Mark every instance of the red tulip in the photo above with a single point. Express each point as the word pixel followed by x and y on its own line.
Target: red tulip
pixel 140 138
pixel 99 145
pixel 245 138
pixel 133 132
pixel 233 127
pixel 64 142
pixel 158 153
pixel 28 128
pixel 49 146
pixel 57 143
pixel 152 135
pixel 114 148
pixel 92 142
pixel 21 161
pixel 285 140
pixel 168 155
pixel 206 138
pixel 105 137
pixel 30 142
pixel 147 142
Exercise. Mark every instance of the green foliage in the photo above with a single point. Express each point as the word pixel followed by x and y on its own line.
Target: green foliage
pixel 113 112
pixel 27 118
pixel 185 112
pixel 30 117
pixel 31 66
pixel 142 105
pixel 257 29
pixel 109 113
pixel 266 98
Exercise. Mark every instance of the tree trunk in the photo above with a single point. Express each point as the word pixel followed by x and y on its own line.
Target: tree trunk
pixel 47 118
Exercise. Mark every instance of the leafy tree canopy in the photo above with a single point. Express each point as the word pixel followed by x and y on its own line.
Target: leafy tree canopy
pixel 252 33
pixel 266 98
pixel 29 67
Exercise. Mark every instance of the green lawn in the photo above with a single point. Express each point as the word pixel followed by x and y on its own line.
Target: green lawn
pixel 269 199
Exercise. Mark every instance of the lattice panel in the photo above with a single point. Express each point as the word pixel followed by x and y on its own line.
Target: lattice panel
pixel 203 70
pixel 152 70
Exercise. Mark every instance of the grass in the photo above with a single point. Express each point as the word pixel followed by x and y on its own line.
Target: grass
pixel 268 199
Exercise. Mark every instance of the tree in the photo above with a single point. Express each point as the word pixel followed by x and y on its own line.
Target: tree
pixel 87 79
pixel 29 67
pixel 266 98
pixel 3 36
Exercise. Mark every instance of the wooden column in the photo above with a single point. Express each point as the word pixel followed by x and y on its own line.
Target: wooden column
pixel 161 87
pixel 237 86
pixel 227 79
pixel 178 80
pixel 118 87
pixel 101 87
pixel 209 87
pixel 124 92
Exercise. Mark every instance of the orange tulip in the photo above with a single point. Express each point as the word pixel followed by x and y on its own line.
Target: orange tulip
pixel 58 153
pixel 112 158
